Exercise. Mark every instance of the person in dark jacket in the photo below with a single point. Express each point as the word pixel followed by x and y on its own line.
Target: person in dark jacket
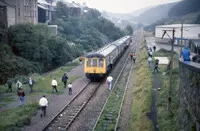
pixel 9 82
pixel 21 95
pixel 154 48
pixel 156 66
pixel 186 54
pixel 64 80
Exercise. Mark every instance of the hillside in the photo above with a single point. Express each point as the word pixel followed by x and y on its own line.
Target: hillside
pixel 145 16
pixel 154 14
pixel 185 7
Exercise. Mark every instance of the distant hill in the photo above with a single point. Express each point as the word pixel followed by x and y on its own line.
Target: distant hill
pixel 185 7
pixel 145 16
pixel 154 14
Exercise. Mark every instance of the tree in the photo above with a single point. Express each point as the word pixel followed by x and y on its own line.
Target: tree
pixel 129 30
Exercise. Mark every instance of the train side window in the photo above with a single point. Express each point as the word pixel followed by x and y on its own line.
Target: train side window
pixel 101 62
pixel 89 63
pixel 94 63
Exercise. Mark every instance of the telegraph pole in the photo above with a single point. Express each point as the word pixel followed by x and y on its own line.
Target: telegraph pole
pixel 170 79
pixel 171 67
pixel 181 38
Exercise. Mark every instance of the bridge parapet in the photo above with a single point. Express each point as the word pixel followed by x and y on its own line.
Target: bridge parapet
pixel 189 94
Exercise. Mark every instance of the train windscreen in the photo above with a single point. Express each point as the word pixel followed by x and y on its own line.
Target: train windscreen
pixel 94 63
pixel 101 62
pixel 89 62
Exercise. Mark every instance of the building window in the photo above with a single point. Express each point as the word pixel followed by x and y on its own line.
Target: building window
pixel 18 11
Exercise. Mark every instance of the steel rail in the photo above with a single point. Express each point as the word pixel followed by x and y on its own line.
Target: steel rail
pixel 122 103
pixel 82 107
pixel 45 128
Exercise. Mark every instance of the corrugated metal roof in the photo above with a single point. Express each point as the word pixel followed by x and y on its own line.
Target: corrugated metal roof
pixel 43 7
pixel 178 25
pixel 43 2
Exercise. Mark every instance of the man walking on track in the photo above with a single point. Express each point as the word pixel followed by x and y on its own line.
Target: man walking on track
pixel 109 82
pixel 54 85
pixel 43 104
pixel 64 80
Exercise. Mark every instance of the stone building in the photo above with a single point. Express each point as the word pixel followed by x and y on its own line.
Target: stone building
pixel 26 11
pixel 7 13
pixel 18 11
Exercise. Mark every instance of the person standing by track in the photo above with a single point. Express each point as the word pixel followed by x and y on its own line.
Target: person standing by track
pixel 18 85
pixel 9 82
pixel 109 82
pixel 80 60
pixel 31 82
pixel 54 85
pixel 21 95
pixel 64 79
pixel 43 103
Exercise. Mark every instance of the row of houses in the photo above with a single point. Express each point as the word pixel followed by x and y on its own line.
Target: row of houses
pixel 31 11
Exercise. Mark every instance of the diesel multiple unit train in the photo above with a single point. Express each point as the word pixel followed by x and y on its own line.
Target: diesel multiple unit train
pixel 99 63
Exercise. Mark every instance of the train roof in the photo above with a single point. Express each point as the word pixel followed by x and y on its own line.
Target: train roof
pixel 104 51
pixel 98 55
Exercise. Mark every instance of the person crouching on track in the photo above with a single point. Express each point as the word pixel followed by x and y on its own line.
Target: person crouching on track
pixel 70 88
pixel 43 104
pixel 54 85
pixel 109 82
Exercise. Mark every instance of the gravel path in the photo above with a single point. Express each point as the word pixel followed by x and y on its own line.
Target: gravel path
pixel 153 114
pixel 57 102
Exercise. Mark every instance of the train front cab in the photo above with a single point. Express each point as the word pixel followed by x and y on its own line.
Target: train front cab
pixel 95 68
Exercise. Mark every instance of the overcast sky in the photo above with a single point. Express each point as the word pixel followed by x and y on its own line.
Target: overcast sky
pixel 121 6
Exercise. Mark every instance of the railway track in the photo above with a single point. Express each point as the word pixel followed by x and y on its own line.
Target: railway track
pixel 68 114
pixel 110 113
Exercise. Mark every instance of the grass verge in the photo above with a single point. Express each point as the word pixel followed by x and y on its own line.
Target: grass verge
pixel 165 121
pixel 13 119
pixel 142 90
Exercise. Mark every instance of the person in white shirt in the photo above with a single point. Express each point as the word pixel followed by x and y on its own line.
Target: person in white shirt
pixel 43 104
pixel 18 85
pixel 30 82
pixel 70 88
pixel 109 81
pixel 149 62
pixel 54 85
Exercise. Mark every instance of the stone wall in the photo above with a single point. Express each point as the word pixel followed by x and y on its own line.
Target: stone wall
pixel 189 112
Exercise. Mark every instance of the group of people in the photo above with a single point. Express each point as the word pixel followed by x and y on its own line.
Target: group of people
pixel 150 54
pixel 19 85
pixel 43 102
pixel 20 90
pixel 54 84
pixel 133 57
